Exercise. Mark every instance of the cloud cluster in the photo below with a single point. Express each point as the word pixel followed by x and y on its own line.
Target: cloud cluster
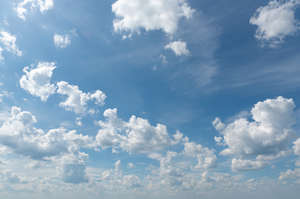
pixel 266 137
pixel 8 43
pixel 134 15
pixel 18 134
pixel 178 47
pixel 77 100
pixel 61 41
pixel 37 81
pixel 23 7
pixel 276 21
pixel 137 136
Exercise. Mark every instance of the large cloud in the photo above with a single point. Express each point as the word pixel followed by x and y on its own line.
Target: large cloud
pixel 37 81
pixel 134 15
pixel 266 137
pixel 276 20
pixel 23 7
pixel 77 100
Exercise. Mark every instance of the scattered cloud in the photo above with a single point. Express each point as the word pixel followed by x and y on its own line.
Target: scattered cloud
pixel 178 47
pixel 8 43
pixel 136 136
pixel 132 16
pixel 37 81
pixel 77 100
pixel 23 7
pixel 267 137
pixel 61 41
pixel 276 21
pixel 297 147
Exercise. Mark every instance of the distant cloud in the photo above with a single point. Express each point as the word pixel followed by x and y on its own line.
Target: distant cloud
pixel 265 138
pixel 77 100
pixel 297 147
pixel 61 41
pixel 132 16
pixel 178 47
pixel 37 81
pixel 23 7
pixel 135 136
pixel 8 43
pixel 276 21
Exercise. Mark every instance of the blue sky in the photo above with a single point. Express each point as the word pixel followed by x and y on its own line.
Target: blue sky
pixel 155 99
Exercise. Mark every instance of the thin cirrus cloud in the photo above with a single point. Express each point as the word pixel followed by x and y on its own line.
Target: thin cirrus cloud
pixel 25 6
pixel 276 21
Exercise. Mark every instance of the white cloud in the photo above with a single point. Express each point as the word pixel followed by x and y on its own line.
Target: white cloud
pixel 61 41
pixel 8 42
pixel 37 81
pixel 23 7
pixel 265 138
pixel 77 100
pixel 178 47
pixel 276 21
pixel 290 175
pixel 134 15
pixel 18 134
pixel 206 158
pixel 135 136
pixel 297 147
pixel 246 165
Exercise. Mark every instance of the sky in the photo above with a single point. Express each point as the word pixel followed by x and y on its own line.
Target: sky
pixel 149 99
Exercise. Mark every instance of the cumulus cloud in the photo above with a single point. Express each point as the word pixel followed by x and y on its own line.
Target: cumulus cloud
pixel 265 138
pixel 297 147
pixel 77 100
pixel 23 7
pixel 8 43
pixel 134 15
pixel 61 41
pixel 18 134
pixel 276 21
pixel 37 81
pixel 206 157
pixel 178 47
pixel 135 136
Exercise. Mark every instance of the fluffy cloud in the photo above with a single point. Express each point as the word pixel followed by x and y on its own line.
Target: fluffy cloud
pixel 134 15
pixel 178 47
pixel 135 136
pixel 18 134
pixel 36 81
pixel 8 42
pixel 77 100
pixel 276 20
pixel 23 7
pixel 265 138
pixel 206 157
pixel 61 41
